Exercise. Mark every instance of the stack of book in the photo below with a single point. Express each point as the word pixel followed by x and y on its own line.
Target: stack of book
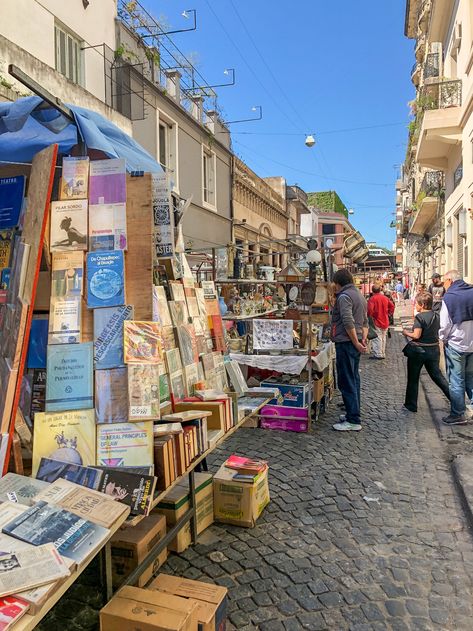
pixel 246 469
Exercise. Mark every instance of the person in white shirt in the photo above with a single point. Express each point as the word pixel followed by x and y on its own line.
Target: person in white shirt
pixel 456 333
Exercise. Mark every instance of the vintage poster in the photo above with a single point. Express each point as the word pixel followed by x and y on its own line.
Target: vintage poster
pixel 163 217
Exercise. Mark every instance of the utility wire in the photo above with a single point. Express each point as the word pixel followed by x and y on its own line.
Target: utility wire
pixel 318 133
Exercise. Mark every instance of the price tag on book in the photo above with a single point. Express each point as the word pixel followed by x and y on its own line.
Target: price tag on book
pixel 140 410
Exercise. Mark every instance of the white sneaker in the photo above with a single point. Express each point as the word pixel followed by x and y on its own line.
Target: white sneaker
pixel 345 426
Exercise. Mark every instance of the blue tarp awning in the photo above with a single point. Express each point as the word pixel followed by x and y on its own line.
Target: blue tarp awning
pixel 26 128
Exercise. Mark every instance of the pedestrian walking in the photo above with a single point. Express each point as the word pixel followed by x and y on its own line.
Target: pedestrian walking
pixel 350 333
pixel 399 288
pixel 423 350
pixel 456 333
pixel 437 290
pixel 379 309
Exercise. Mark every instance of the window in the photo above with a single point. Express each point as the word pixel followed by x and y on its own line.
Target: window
pixel 208 172
pixel 328 228
pixel 68 54
pixel 167 144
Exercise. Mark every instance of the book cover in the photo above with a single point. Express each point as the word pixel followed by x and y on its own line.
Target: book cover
pixel 179 312
pixel 161 312
pixel 5 274
pixel 164 391
pixel 105 279
pixel 125 444
pixel 173 361
pixel 50 470
pixel 191 376
pixel 142 342
pixel 108 336
pixel 15 324
pixel 12 190
pixel 168 338
pixel 75 178
pixel 20 489
pixel 69 384
pixel 107 181
pixel 12 609
pixel 107 227
pixel 65 436
pixel 19 266
pixel 143 391
pixel 38 342
pixel 67 274
pixel 111 395
pixel 208 287
pixel 177 385
pixel 65 321
pixel 92 505
pixel 38 392
pixel 6 237
pixel 73 536
pixel 69 225
pixel 187 344
pixel 134 490
pixel 200 296
pixel 177 291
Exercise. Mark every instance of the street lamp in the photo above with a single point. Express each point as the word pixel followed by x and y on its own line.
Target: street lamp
pixel 309 141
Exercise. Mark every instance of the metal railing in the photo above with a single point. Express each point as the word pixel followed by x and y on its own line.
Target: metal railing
pixel 442 95
pixel 432 184
pixel 432 66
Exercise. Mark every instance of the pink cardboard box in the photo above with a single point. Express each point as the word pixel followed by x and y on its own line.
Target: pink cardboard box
pixel 285 418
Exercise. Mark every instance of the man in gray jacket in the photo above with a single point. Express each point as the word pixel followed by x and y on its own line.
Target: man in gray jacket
pixel 350 333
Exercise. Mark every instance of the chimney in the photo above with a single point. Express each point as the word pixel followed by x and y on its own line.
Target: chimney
pixel 197 110
pixel 211 121
pixel 173 84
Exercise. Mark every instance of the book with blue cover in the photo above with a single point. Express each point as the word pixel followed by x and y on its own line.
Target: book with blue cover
pixel 70 383
pixel 73 537
pixel 12 191
pixel 105 279
pixel 37 346
pixel 108 336
pixel 51 470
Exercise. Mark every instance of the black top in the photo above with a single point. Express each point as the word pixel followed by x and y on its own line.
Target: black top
pixel 429 322
pixel 437 295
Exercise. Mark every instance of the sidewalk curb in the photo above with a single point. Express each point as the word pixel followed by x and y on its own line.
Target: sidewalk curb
pixel 462 468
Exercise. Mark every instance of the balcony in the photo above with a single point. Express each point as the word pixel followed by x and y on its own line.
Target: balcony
pixel 440 129
pixel 420 48
pixel 430 194
pixel 415 74
pixel 423 14
pixel 432 66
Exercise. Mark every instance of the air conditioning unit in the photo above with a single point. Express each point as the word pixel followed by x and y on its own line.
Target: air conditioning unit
pixel 456 38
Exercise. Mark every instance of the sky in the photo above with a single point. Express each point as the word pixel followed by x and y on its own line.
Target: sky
pixel 315 68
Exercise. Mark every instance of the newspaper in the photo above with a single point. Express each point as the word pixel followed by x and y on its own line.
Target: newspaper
pixel 27 568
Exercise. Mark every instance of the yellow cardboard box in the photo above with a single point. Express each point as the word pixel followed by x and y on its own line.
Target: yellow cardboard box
pixel 239 503
pixel 176 503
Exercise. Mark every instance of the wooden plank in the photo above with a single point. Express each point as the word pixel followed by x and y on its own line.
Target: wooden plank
pixel 139 257
pixel 34 226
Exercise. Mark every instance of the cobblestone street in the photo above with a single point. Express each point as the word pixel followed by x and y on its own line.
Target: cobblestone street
pixel 364 530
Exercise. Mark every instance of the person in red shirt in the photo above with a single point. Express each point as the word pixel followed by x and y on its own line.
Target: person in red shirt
pixel 379 309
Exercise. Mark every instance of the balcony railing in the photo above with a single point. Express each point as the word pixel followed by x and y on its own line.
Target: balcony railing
pixel 432 184
pixel 432 66
pixel 441 95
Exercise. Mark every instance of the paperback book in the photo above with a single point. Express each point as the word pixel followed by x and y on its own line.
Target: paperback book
pixel 125 444
pixel 6 238
pixel 67 274
pixel 134 490
pixel 161 312
pixel 72 536
pixel 107 181
pixel 75 178
pixel 12 190
pixel 142 342
pixel 20 489
pixel 19 266
pixel 187 344
pixel 69 225
pixel 65 321
pixel 173 361
pixel 65 436
pixel 69 384
pixel 143 392
pixel 50 470
pixel 111 395
pixel 12 608
pixel 107 227
pixel 177 291
pixel 38 343
pixel 179 312
pixel 108 336
pixel 105 279
pixel 38 392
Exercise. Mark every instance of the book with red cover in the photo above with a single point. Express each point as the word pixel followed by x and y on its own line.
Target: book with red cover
pixel 12 609
pixel 245 465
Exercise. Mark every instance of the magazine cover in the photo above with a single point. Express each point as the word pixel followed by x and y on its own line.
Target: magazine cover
pixel 125 444
pixel 107 181
pixel 75 178
pixel 69 384
pixel 65 436
pixel 107 227
pixel 143 391
pixel 142 342
pixel 67 274
pixel 73 536
pixel 105 279
pixel 12 190
pixel 108 336
pixel 134 490
pixel 69 225
pixel 111 395
pixel 50 470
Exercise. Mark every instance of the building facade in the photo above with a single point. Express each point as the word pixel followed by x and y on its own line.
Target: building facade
pixel 436 187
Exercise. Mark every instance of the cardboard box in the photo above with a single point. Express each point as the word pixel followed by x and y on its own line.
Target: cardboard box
pixel 294 396
pixel 176 503
pixel 133 609
pixel 318 388
pixel 217 418
pixel 286 419
pixel 211 599
pixel 239 503
pixel 131 545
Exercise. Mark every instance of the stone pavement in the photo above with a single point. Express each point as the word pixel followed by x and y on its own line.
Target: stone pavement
pixel 364 530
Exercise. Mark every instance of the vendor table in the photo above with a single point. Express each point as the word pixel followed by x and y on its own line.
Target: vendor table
pixel 291 364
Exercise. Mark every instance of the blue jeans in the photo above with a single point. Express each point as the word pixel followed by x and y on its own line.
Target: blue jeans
pixel 460 379
pixel 348 375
